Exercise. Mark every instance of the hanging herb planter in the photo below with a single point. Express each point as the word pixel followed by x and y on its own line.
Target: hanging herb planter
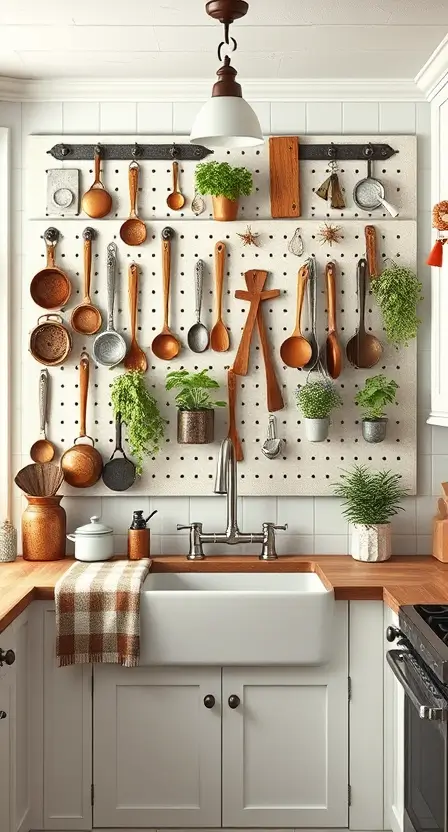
pixel 316 400
pixel 225 184
pixel 398 291
pixel 140 413
pixel 377 392
pixel 196 415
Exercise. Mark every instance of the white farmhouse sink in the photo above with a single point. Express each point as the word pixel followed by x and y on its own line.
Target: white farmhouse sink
pixel 237 618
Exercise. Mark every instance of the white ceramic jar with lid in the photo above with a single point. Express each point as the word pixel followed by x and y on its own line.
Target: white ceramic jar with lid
pixel 93 542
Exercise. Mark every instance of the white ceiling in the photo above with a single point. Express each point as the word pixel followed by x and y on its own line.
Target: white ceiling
pixel 157 39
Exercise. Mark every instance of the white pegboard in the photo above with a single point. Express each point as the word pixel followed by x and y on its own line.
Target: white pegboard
pixel 305 468
pixel 397 173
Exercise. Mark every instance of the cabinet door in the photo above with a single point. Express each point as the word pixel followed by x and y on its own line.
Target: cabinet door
pixel 21 642
pixel 7 718
pixel 157 747
pixel 394 741
pixel 67 740
pixel 285 746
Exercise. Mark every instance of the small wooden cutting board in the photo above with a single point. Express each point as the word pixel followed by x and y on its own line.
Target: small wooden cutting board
pixel 284 176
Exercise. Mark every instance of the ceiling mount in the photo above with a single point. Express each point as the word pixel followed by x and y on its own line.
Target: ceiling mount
pixel 226 11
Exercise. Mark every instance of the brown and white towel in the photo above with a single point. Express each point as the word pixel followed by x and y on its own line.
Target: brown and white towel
pixel 98 613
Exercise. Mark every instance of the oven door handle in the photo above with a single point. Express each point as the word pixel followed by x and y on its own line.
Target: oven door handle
pixel 417 685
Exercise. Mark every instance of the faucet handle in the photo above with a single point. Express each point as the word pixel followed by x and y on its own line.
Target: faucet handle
pixel 195 529
pixel 274 526
pixel 189 527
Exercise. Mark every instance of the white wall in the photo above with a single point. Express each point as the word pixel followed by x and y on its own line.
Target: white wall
pixel 315 524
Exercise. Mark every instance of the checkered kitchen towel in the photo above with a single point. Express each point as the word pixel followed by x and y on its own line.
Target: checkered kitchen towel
pixel 98 613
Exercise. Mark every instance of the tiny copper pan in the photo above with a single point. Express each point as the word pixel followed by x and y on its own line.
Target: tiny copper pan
pixel 86 318
pixel 133 231
pixel 50 341
pixel 51 288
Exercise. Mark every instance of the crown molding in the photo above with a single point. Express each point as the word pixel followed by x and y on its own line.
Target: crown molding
pixel 434 74
pixel 110 89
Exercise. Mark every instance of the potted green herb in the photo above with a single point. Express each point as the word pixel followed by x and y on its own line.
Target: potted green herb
pixel 196 415
pixel 370 499
pixel 377 392
pixel 398 291
pixel 316 400
pixel 225 184
pixel 140 413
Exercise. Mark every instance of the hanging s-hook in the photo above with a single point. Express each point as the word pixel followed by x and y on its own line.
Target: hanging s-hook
pixel 228 40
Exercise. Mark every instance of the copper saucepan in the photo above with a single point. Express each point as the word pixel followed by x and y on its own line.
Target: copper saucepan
pixel 50 341
pixel 82 464
pixel 51 288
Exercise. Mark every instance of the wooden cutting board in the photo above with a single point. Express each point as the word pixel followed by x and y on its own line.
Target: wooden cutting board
pixel 284 176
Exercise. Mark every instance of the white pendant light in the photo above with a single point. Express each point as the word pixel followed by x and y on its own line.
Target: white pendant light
pixel 226 120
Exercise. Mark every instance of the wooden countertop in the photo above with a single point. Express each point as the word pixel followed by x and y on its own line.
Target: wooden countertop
pixel 399 581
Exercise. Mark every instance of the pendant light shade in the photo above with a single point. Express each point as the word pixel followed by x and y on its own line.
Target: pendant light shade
pixel 226 121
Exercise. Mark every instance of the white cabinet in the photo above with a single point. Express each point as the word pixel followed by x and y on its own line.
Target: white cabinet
pixel 157 747
pixel 7 746
pixel 394 745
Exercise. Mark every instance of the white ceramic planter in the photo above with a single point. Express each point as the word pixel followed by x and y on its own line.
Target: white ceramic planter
pixel 371 544
pixel 316 430
pixel 93 542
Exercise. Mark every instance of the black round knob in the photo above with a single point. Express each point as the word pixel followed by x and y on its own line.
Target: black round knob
pixel 234 701
pixel 3 714
pixel 7 657
pixel 209 700
pixel 392 633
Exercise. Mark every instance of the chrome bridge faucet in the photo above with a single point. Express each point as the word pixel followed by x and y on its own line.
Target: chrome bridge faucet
pixel 226 483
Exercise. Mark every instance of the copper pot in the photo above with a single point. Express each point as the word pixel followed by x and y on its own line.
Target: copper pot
pixel 195 427
pixel 43 529
pixel 224 209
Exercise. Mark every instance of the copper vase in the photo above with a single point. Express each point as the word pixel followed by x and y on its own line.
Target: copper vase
pixel 44 528
pixel 195 427
pixel 224 209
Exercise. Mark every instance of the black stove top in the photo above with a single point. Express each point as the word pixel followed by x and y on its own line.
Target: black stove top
pixel 425 629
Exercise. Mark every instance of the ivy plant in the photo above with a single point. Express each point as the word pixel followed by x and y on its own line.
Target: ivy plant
pixel 317 399
pixel 398 291
pixel 369 497
pixel 377 392
pixel 193 390
pixel 140 413
pixel 221 179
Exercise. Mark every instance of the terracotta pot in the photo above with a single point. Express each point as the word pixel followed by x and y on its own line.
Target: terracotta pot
pixel 224 209
pixel 43 529
pixel 195 427
pixel 371 544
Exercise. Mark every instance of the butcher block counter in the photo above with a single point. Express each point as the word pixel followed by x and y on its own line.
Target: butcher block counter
pixel 399 581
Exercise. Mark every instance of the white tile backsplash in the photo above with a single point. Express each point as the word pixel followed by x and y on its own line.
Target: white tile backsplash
pixel 288 118
pixel 81 117
pixel 118 117
pixel 298 513
pixel 155 117
pixel 331 544
pixel 324 117
pixel 117 511
pixel 360 117
pixel 397 117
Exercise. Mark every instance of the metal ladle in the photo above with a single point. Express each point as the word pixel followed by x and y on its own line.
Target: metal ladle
pixel 42 450
pixel 198 337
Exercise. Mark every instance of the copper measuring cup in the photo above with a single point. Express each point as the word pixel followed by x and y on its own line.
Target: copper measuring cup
pixel 133 231
pixel 97 202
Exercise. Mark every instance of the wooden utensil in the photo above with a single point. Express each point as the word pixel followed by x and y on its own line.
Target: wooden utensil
pixel 133 231
pixel 42 450
pixel 219 336
pixel 363 350
pixel 443 509
pixel 370 237
pixel 40 479
pixel 86 318
pixel 119 473
pixel 165 345
pixel 296 351
pixel 50 341
pixel 284 176
pixel 233 430
pixel 332 347
pixel 51 288
pixel 135 358
pixel 175 200
pixel 82 464
pixel 97 202
pixel 255 281
pixel 445 488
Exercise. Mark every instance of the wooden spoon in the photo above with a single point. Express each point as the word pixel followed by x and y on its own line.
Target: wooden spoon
pixel 97 202
pixel 363 350
pixel 175 200
pixel 219 337
pixel 332 347
pixel 370 237
pixel 135 358
pixel 296 351
pixel 165 345
pixel 233 431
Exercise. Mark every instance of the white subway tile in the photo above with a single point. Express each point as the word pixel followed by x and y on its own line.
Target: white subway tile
pixel 424 474
pixel 295 544
pixel 258 510
pixel 328 517
pixel 426 510
pixel 120 544
pixel 117 511
pixel 360 117
pixel 155 117
pixel 331 544
pixel 79 510
pixel 405 521
pixel 41 117
pixel 184 114
pixel 155 545
pixel 263 111
pixel 424 381
pixel 424 436
pixel 81 117
pixel 324 117
pixel 439 472
pixel 404 544
pixel 397 117
pixel 170 512
pixel 423 127
pixel 212 512
pixel 174 544
pixel 424 544
pixel 288 117
pixel 439 440
pixel 118 117
pixel 298 513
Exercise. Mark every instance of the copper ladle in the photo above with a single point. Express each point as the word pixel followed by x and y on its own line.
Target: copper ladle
pixel 296 351
pixel 133 231
pixel 332 347
pixel 175 200
pixel 165 345
pixel 42 450
pixel 97 202
pixel 86 318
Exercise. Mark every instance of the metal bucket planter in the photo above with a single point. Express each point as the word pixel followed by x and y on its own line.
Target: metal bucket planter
pixel 224 209
pixel 316 430
pixel 371 544
pixel 195 427
pixel 374 430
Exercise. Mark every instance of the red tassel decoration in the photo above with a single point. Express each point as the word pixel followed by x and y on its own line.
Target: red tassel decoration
pixel 435 256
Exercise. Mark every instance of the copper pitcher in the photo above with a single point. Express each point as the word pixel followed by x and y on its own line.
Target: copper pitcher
pixel 44 525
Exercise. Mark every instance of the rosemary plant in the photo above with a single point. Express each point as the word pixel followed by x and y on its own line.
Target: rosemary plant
pixel 140 413
pixel 369 497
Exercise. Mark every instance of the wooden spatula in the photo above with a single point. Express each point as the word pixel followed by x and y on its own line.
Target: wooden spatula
pixel 255 281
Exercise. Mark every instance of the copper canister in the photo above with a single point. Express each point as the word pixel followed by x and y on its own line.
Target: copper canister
pixel 44 526
pixel 138 544
pixel 195 427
